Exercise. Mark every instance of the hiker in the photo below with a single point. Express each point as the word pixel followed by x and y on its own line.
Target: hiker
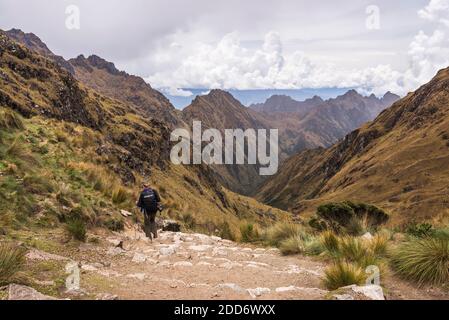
pixel 149 204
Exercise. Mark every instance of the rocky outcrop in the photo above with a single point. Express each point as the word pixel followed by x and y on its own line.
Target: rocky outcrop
pixel 19 292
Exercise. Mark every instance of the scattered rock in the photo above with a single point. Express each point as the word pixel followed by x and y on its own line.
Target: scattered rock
pixel 115 242
pixel 168 251
pixel 138 276
pixel 139 258
pixel 367 236
pixel 204 263
pixel 19 292
pixel 219 252
pixel 106 296
pixel 200 248
pixel 115 251
pixel 171 225
pixel 230 265
pixel 369 292
pixel 342 297
pixel 45 283
pixel 183 264
pixel 257 292
pixel 35 254
pixel 88 267
pixel 231 286
pixel 126 213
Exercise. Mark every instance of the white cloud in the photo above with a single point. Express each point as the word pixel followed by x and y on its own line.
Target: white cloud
pixel 436 10
pixel 230 63
pixel 176 92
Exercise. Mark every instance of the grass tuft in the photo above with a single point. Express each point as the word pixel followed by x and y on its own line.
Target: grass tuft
pixel 9 120
pixel 12 260
pixel 342 274
pixel 424 261
pixel 76 229
pixel 249 233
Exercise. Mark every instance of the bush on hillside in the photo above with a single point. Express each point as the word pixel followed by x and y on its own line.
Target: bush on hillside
pixel 225 232
pixel 114 224
pixel 282 231
pixel 10 120
pixel 76 228
pixel 249 233
pixel 420 230
pixel 348 217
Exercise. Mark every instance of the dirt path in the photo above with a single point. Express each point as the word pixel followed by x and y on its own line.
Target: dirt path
pixel 196 266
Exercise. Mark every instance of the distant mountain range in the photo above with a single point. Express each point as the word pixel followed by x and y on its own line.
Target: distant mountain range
pixel 254 96
pixel 309 124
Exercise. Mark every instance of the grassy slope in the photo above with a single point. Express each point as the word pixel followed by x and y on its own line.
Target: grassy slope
pixel 398 162
pixel 89 146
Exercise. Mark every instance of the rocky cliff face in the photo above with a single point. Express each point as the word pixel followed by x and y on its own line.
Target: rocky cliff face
pixel 395 162
pixel 33 42
pixel 103 77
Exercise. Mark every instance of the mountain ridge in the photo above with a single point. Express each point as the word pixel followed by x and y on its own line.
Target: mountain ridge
pixel 394 162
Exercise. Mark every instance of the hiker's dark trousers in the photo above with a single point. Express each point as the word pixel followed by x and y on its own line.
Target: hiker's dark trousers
pixel 150 227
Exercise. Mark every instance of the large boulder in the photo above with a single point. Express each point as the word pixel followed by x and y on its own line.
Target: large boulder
pixel 354 292
pixel 19 292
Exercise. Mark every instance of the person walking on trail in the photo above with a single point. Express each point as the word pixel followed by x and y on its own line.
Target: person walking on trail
pixel 149 204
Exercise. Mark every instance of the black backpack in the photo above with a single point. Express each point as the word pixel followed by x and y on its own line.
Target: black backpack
pixel 149 200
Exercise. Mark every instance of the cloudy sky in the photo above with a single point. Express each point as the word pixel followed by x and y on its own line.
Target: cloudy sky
pixel 376 45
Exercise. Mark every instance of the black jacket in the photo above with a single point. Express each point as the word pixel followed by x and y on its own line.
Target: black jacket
pixel 141 203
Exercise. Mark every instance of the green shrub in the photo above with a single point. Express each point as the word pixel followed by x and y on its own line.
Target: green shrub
pixel 189 221
pixel 10 120
pixel 423 261
pixel 77 229
pixel 12 260
pixel 348 217
pixel 282 231
pixel 420 230
pixel 226 232
pixel 442 233
pixel 292 245
pixel 37 184
pixel 342 274
pixel 352 249
pixel 119 196
pixel 18 151
pixel 331 243
pixel 249 233
pixel 114 224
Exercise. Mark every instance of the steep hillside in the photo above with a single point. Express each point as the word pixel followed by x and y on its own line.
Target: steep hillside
pixel 220 110
pixel 102 76
pixel 318 123
pixel 33 42
pixel 79 150
pixel 334 118
pixel 398 162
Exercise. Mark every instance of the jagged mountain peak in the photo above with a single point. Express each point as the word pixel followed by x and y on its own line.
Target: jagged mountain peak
pixel 33 42
pixel 96 62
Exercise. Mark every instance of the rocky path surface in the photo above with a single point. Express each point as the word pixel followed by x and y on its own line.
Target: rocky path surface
pixel 197 266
